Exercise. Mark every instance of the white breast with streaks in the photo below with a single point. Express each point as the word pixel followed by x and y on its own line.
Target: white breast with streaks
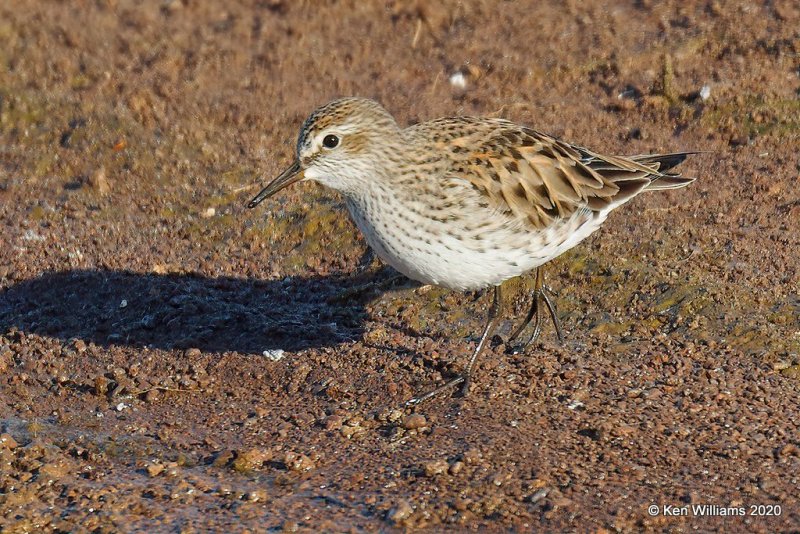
pixel 472 253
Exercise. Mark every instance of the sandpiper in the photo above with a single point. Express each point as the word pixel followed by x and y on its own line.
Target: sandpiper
pixel 464 202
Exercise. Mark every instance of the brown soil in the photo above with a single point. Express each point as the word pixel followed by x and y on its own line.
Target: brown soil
pixel 137 295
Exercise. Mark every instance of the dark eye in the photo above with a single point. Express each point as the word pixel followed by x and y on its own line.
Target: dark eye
pixel 330 141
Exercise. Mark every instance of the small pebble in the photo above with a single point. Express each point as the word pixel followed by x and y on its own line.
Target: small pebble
pixel 456 468
pixel 155 469
pixel 414 421
pixel 458 80
pixel 250 459
pixel 539 495
pixel 334 422
pixel 290 526
pixel 99 182
pixel 275 355
pixel 400 511
pixel 101 385
pixel 434 467
pixel 7 441
pixel 298 462
pixel 258 495
pixel 574 405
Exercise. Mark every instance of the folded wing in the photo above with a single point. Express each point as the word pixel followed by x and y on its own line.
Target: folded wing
pixel 539 178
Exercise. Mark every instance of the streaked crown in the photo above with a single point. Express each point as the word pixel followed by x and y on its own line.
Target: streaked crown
pixel 342 118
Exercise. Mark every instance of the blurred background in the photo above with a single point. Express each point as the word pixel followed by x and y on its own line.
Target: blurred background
pixel 141 306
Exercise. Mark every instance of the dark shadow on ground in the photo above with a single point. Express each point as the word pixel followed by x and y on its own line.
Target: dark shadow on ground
pixel 183 311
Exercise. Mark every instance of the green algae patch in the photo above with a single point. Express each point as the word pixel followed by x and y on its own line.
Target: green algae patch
pixel 37 213
pixel 676 299
pixel 791 372
pixel 755 115
pixel 612 328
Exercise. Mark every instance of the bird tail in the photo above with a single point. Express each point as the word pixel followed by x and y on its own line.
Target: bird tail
pixel 661 163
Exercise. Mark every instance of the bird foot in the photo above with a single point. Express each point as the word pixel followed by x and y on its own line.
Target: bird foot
pixel 461 379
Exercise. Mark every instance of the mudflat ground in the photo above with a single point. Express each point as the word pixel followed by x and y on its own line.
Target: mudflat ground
pixel 137 295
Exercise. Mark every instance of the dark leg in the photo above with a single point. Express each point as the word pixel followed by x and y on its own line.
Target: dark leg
pixel 491 324
pixel 365 262
pixel 534 311
pixel 540 293
pixel 551 307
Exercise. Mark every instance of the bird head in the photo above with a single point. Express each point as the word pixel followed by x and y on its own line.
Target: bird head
pixel 341 145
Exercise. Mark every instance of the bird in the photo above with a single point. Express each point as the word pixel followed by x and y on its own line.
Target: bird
pixel 467 203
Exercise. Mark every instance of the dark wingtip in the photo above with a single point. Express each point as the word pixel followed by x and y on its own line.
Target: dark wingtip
pixel 666 161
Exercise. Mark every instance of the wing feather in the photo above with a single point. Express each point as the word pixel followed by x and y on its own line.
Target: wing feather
pixel 539 178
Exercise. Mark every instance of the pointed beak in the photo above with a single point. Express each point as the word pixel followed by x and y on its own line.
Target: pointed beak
pixel 288 177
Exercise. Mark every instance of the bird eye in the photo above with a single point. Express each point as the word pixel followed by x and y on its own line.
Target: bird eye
pixel 330 141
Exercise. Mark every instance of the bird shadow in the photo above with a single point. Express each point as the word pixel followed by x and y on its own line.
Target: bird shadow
pixel 189 311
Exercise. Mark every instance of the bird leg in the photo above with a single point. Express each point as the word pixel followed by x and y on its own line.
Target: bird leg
pixel 540 293
pixel 464 379
pixel 366 260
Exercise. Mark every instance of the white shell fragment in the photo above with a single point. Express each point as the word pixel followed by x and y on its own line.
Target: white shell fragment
pixel 458 80
pixel 275 355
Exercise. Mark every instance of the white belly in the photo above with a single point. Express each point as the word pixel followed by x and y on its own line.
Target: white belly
pixel 469 254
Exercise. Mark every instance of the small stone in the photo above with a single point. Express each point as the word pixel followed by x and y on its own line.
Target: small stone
pixel 461 504
pixel 54 470
pixel 334 422
pixel 500 478
pixel 7 441
pixel 739 140
pixel 791 372
pixel 290 526
pixel 472 456
pixel 414 421
pixel 349 431
pixel 434 467
pixel 251 459
pixel 456 467
pixel 394 416
pixel 539 495
pixel 298 462
pixel 458 81
pixel 401 511
pixel 208 213
pixel 101 385
pixel 99 182
pixel 155 469
pixel 275 355
pixel 562 502
pixel 222 459
pixel 258 495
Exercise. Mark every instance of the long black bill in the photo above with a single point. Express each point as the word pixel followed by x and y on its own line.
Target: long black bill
pixel 288 177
